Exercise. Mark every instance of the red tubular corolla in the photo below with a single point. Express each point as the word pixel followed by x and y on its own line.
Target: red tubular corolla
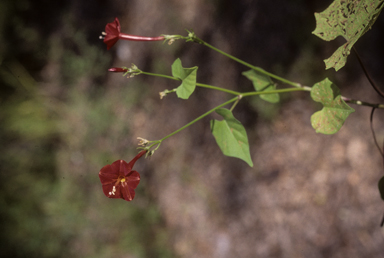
pixel 112 34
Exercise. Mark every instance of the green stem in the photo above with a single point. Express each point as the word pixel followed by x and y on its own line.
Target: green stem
pixel 294 84
pixel 199 118
pixel 248 94
pixel 235 99
pixel 218 88
pixel 159 75
pixel 197 84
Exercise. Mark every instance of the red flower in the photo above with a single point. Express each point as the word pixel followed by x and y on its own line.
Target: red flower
pixel 112 35
pixel 119 180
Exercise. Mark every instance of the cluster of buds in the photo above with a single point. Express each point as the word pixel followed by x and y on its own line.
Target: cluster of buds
pixel 142 142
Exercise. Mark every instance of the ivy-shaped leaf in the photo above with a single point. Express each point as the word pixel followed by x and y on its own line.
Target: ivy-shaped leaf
pixel 262 82
pixel 231 136
pixel 187 77
pixel 335 111
pixel 349 19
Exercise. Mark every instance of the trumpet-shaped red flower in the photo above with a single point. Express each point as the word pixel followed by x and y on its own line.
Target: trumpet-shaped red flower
pixel 119 180
pixel 112 34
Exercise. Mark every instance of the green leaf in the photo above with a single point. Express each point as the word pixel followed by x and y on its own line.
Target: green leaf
pixel 335 111
pixel 187 77
pixel 262 82
pixel 231 136
pixel 381 187
pixel 349 19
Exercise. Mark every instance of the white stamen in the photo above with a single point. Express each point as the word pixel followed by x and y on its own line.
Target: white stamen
pixel 113 191
pixel 103 33
pixel 101 37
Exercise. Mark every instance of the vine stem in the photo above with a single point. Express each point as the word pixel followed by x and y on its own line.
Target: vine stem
pixel 248 94
pixel 362 103
pixel 373 131
pixel 367 75
pixel 198 118
pixel 299 87
pixel 235 99
pixel 202 85
pixel 294 84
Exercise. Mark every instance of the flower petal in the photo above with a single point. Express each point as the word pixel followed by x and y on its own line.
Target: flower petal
pixel 110 192
pixel 127 193
pixel 113 27
pixel 107 189
pixel 109 174
pixel 112 30
pixel 133 179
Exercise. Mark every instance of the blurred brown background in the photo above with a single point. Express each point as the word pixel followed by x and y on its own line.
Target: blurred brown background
pixel 63 117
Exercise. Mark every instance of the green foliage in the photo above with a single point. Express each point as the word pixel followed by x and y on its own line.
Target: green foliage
pixel 335 111
pixel 27 176
pixel 188 78
pixel 31 120
pixel 231 136
pixel 349 19
pixel 27 169
pixel 262 82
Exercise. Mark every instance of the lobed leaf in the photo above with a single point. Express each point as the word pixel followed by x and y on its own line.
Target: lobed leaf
pixel 349 19
pixel 231 136
pixel 335 111
pixel 187 77
pixel 262 82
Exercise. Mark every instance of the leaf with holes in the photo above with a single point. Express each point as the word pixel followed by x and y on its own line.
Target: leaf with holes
pixel 187 77
pixel 335 111
pixel 349 19
pixel 231 136
pixel 262 82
